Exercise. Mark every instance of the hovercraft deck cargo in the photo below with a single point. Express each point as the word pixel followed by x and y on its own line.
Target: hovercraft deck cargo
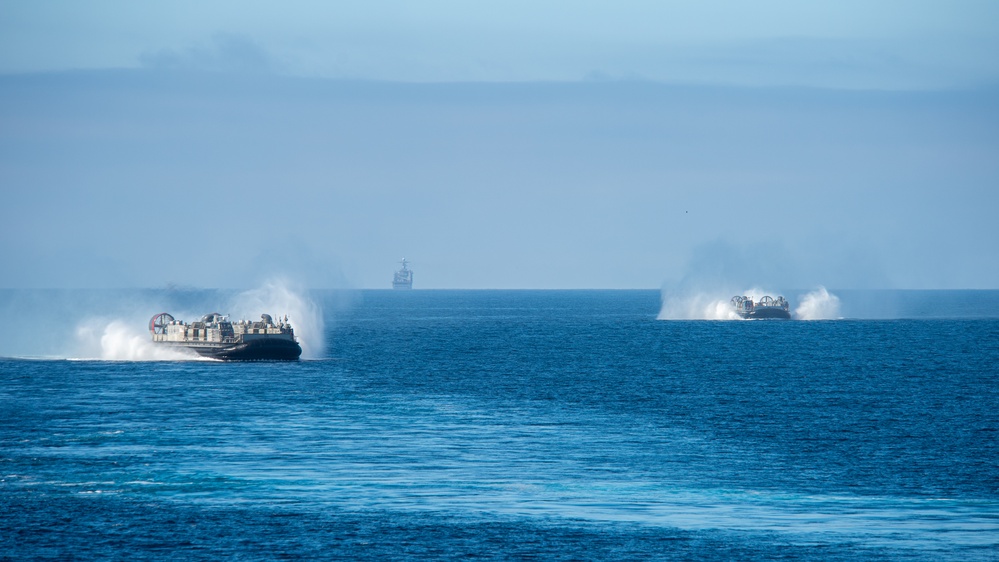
pixel 218 338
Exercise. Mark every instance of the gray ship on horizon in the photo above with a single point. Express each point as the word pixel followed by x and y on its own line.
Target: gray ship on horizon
pixel 403 278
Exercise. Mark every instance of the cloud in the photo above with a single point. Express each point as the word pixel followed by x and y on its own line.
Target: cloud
pixel 226 52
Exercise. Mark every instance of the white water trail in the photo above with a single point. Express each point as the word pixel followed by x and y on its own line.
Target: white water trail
pixel 279 299
pixel 819 304
pixel 120 340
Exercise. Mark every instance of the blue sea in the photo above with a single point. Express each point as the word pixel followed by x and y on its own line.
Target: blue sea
pixel 538 425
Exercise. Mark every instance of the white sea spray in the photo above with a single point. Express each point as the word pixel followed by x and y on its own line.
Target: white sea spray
pixel 819 304
pixel 280 298
pixel 121 340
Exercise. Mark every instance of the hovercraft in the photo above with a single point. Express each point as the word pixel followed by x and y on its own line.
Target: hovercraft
pixel 216 337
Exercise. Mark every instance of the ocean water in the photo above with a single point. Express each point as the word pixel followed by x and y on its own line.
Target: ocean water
pixel 507 425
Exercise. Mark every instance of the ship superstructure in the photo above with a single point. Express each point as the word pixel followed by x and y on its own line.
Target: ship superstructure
pixel 216 337
pixel 766 308
pixel 403 278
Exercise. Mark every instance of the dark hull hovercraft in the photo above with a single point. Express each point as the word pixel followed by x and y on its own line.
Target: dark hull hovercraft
pixel 767 308
pixel 218 338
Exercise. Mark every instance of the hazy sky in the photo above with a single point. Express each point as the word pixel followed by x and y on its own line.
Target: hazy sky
pixel 499 145
pixel 905 43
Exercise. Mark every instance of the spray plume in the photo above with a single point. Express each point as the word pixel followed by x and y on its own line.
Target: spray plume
pixel 819 304
pixel 697 306
pixel 120 340
pixel 277 297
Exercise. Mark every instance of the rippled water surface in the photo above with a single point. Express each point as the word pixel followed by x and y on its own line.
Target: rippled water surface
pixel 519 424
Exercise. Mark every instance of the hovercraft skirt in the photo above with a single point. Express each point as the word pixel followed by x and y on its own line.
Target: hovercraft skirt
pixel 260 350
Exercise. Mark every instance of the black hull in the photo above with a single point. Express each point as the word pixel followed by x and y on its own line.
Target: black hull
pixel 256 350
pixel 767 314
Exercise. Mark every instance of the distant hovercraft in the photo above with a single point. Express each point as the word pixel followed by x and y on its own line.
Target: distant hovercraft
pixel 218 338
pixel 766 308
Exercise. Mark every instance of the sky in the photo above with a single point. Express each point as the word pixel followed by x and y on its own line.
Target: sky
pixel 852 145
